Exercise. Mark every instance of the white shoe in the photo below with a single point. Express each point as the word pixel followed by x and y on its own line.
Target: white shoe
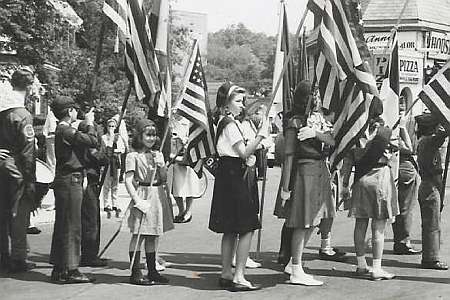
pixel 288 268
pixel 298 277
pixel 159 267
pixel 250 263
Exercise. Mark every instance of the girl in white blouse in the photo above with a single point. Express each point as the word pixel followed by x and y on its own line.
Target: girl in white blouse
pixel 235 205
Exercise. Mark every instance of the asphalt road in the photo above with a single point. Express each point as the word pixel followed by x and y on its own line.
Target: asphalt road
pixel 195 254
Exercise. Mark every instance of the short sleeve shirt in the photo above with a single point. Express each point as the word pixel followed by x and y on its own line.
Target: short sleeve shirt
pixel 231 135
pixel 141 164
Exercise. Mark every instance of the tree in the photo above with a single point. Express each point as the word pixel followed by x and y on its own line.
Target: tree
pixel 240 55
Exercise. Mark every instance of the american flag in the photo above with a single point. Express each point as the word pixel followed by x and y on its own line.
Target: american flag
pixel 346 84
pixel 389 92
pixel 283 98
pixel 140 59
pixel 194 106
pixel 436 95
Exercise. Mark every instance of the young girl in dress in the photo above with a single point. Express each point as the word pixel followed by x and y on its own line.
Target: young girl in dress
pixel 235 205
pixel 150 213
pixel 374 194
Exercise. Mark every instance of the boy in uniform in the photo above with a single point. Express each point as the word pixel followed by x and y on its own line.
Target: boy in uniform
pixel 431 137
pixel 70 147
pixel 17 173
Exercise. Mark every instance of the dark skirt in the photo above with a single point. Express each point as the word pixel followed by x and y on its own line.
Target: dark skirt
pixel 235 203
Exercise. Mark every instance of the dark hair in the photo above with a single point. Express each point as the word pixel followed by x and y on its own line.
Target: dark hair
pixel 138 144
pixel 21 79
pixel 301 95
pixel 62 113
pixel 224 93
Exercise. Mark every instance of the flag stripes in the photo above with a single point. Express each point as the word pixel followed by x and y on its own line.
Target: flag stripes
pixel 193 105
pixel 346 84
pixel 436 95
pixel 140 59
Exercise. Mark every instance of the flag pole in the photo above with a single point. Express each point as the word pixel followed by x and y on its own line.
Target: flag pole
pixel 286 62
pixel 261 209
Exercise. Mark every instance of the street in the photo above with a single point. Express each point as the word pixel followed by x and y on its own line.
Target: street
pixel 194 252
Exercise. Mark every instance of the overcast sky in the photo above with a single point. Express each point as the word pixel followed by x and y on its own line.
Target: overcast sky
pixel 257 15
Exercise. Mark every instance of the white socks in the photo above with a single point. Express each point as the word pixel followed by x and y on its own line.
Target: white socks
pixel 325 246
pixel 376 264
pixel 362 264
pixel 298 276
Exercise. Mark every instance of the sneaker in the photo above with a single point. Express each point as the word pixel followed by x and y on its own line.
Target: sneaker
pixel 381 275
pixel 435 265
pixel 75 276
pixel 159 267
pixel 288 268
pixel 250 263
pixel 336 256
pixel 304 279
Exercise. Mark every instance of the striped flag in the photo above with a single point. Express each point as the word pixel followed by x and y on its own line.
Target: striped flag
pixel 159 27
pixel 390 89
pixel 436 95
pixel 141 65
pixel 194 106
pixel 346 84
pixel 284 96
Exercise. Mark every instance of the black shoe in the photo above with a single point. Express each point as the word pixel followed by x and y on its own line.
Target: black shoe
pixel 33 230
pixel 403 249
pixel 435 265
pixel 75 276
pixel 58 276
pixel 136 278
pixel 19 266
pixel 118 211
pixel 225 283
pixel 95 262
pixel 157 278
pixel 178 219
pixel 337 256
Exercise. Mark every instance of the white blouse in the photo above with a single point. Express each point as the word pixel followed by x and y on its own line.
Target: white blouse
pixel 230 136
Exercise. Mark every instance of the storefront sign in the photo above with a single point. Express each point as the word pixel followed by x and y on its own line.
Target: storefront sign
pixel 381 40
pixel 409 70
pixel 439 45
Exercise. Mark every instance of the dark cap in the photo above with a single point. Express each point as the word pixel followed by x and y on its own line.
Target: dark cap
pixel 142 123
pixel 62 102
pixel 427 120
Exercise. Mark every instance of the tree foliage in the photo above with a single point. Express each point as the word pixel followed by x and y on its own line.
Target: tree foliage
pixel 240 55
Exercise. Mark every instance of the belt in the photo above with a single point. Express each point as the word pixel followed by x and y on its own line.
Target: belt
pixel 149 184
